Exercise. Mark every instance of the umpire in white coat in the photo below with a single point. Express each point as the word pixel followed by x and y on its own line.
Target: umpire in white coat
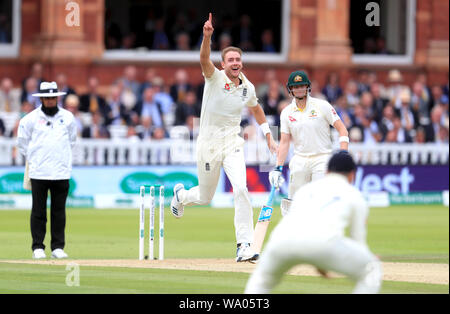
pixel 46 137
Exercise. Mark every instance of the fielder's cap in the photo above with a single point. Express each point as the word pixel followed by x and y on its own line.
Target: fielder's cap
pixel 48 89
pixel 341 162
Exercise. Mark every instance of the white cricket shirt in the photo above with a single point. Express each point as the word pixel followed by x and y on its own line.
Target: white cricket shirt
pixel 323 209
pixel 309 128
pixel 222 106
pixel 47 142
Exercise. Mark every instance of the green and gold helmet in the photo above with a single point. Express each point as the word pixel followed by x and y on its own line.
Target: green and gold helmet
pixel 297 78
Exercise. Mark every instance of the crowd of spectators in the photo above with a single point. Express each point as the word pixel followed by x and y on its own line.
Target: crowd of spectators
pixel 128 107
pixel 148 110
pixel 391 113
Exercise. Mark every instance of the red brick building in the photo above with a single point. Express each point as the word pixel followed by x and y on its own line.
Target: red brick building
pixel 317 37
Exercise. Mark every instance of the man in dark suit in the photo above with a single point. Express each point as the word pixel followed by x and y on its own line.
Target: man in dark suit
pixel 61 80
pixel 96 129
pixel 179 89
pixel 190 107
pixel 92 101
pixel 117 112
pixel 379 102
pixel 432 129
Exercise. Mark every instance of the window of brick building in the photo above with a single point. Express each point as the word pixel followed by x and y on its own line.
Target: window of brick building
pixel 9 27
pixel 171 30
pixel 382 31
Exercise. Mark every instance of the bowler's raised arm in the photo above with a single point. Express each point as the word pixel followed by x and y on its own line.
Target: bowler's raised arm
pixel 205 48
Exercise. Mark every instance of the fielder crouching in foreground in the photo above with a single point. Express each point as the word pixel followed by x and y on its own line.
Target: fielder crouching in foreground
pixel 46 137
pixel 312 232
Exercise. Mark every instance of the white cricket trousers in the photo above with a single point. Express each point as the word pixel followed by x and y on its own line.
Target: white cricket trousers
pixel 306 169
pixel 340 254
pixel 210 159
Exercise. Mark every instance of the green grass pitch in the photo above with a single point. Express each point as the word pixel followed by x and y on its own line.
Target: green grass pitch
pixel 397 234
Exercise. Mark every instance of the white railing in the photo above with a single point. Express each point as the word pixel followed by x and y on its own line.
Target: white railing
pixel 181 151
pixel 398 154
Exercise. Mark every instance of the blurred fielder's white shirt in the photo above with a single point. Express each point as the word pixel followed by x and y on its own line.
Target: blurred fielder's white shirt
pixel 47 142
pixel 309 128
pixel 318 216
pixel 222 106
pixel 313 232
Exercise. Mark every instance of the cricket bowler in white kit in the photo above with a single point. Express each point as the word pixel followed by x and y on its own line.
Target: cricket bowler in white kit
pixel 313 232
pixel 306 122
pixel 219 144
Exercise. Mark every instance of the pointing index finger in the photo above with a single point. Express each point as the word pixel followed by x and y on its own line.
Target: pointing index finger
pixel 210 17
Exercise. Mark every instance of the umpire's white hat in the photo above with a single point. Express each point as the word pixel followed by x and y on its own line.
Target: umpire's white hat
pixel 48 89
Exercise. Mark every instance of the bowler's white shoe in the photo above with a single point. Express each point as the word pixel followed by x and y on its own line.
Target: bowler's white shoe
pixel 59 253
pixel 246 254
pixel 39 254
pixel 176 206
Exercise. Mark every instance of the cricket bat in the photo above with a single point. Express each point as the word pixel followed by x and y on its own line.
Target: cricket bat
pixel 263 223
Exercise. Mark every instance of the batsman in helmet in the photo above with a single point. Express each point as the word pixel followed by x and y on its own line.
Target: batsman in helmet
pixel 306 122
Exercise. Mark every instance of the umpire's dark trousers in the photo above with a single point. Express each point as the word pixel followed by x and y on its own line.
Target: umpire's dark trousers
pixel 38 221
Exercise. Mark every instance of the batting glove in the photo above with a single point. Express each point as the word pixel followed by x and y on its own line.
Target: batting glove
pixel 276 177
